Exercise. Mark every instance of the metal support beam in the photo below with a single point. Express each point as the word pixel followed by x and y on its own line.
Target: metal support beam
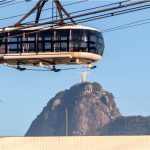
pixel 39 10
pixel 61 9
pixel 37 7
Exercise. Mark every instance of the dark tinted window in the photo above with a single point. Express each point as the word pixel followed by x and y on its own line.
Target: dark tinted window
pixel 77 40
pixel 2 48
pixel 92 42
pixel 61 40
pixel 86 41
pixel 45 41
pixel 83 41
pixel 100 44
pixel 2 44
pixel 13 45
pixel 74 40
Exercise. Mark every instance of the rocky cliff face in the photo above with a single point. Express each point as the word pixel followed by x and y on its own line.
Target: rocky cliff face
pixel 132 125
pixel 81 110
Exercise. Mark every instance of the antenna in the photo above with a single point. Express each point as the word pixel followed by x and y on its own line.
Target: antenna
pixel 66 122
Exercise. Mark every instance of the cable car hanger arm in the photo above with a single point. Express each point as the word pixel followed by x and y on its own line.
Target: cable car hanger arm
pixel 39 6
pixel 91 13
pixel 60 9
pixel 39 10
pixel 76 16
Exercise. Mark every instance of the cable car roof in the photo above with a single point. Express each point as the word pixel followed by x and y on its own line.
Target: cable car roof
pixel 77 27
pixel 46 28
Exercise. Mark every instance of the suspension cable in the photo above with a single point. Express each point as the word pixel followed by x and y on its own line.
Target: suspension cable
pixel 55 22
pixel 16 16
pixel 75 12
pixel 15 3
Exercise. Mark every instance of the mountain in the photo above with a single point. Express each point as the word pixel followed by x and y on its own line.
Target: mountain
pixel 132 125
pixel 81 110
pixel 86 109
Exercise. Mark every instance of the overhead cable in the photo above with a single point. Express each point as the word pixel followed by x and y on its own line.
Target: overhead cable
pixel 120 27
pixel 14 3
pixel 111 14
pixel 128 25
pixel 83 20
pixel 16 16
pixel 84 10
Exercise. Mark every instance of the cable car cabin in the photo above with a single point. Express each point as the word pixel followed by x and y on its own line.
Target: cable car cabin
pixel 63 45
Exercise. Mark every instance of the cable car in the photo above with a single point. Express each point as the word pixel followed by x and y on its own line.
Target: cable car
pixel 74 44
pixel 45 46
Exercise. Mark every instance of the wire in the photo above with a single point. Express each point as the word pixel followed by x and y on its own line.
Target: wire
pixel 129 25
pixel 104 30
pixel 110 9
pixel 72 12
pixel 56 21
pixel 75 12
pixel 15 3
pixel 3 3
pixel 111 14
pixel 96 12
pixel 93 8
pixel 15 16
pixel 125 26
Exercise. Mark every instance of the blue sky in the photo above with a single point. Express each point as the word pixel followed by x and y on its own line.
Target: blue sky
pixel 124 71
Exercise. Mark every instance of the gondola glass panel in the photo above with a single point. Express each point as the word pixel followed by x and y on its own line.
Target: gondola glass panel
pixel 86 41
pixel 93 42
pixel 45 41
pixel 48 43
pixel 2 45
pixel 13 45
pixel 61 41
pixel 31 43
pixel 2 49
pixel 83 41
pixel 40 43
pixel 100 44
pixel 74 40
